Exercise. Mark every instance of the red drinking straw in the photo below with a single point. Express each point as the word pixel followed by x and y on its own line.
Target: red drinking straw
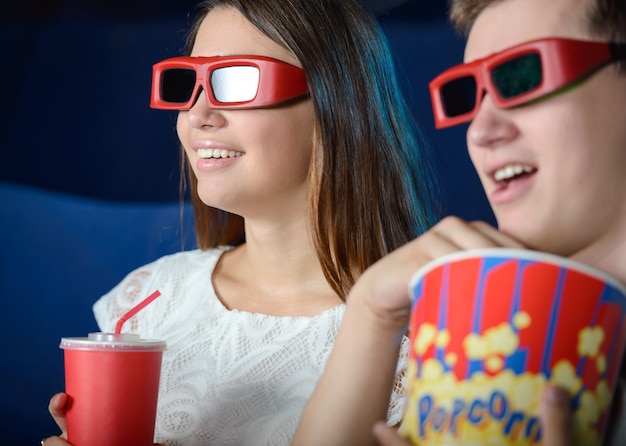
pixel 133 311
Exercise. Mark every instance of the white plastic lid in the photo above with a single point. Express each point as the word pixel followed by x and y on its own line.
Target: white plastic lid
pixel 112 341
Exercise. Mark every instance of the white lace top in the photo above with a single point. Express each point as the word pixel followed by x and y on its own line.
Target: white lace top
pixel 229 377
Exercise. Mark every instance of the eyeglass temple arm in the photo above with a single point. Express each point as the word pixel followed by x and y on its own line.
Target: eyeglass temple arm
pixel 617 50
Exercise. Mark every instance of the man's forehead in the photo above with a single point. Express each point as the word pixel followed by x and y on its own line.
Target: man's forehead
pixel 507 23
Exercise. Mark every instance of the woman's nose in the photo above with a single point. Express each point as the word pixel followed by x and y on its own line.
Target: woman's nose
pixel 201 115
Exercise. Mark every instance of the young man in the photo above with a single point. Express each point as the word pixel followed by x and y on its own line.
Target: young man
pixel 553 167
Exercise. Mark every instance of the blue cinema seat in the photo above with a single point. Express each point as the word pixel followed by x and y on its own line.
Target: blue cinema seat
pixel 58 254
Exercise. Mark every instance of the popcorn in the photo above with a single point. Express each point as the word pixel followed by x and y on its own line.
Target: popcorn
pixel 589 341
pixel 601 364
pixel 442 339
pixel 521 320
pixel 450 359
pixel 502 339
pixel 424 338
pixel 494 363
pixel 475 347
pixel 564 375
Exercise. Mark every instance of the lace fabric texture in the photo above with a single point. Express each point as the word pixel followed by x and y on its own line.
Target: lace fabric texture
pixel 228 377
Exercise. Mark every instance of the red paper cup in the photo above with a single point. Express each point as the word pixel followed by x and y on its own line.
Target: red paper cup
pixel 112 381
pixel 490 328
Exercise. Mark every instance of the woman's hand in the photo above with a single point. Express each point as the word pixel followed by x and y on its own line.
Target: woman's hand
pixel 58 408
pixel 54 441
pixel 555 414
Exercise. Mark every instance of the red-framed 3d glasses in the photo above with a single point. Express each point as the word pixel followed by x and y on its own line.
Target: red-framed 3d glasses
pixel 230 82
pixel 516 76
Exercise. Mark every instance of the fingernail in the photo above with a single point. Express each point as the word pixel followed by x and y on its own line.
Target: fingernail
pixel 556 395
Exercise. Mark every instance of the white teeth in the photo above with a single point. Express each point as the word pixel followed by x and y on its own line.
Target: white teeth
pixel 508 172
pixel 217 153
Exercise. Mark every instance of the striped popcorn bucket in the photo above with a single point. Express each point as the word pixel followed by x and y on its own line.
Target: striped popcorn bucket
pixel 490 328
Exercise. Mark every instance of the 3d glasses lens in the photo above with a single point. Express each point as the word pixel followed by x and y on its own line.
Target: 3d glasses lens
pixel 459 96
pixel 517 76
pixel 235 84
pixel 177 85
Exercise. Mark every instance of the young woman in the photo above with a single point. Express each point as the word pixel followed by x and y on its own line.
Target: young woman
pixel 305 168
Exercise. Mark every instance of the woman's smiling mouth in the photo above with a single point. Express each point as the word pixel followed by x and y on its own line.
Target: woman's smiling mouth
pixel 218 153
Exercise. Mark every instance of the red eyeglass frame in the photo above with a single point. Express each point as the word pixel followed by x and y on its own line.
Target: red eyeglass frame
pixel 278 81
pixel 562 60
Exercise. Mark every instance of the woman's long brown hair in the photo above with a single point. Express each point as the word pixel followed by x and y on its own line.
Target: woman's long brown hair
pixel 372 186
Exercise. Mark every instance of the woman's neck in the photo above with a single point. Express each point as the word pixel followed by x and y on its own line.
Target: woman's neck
pixel 275 272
